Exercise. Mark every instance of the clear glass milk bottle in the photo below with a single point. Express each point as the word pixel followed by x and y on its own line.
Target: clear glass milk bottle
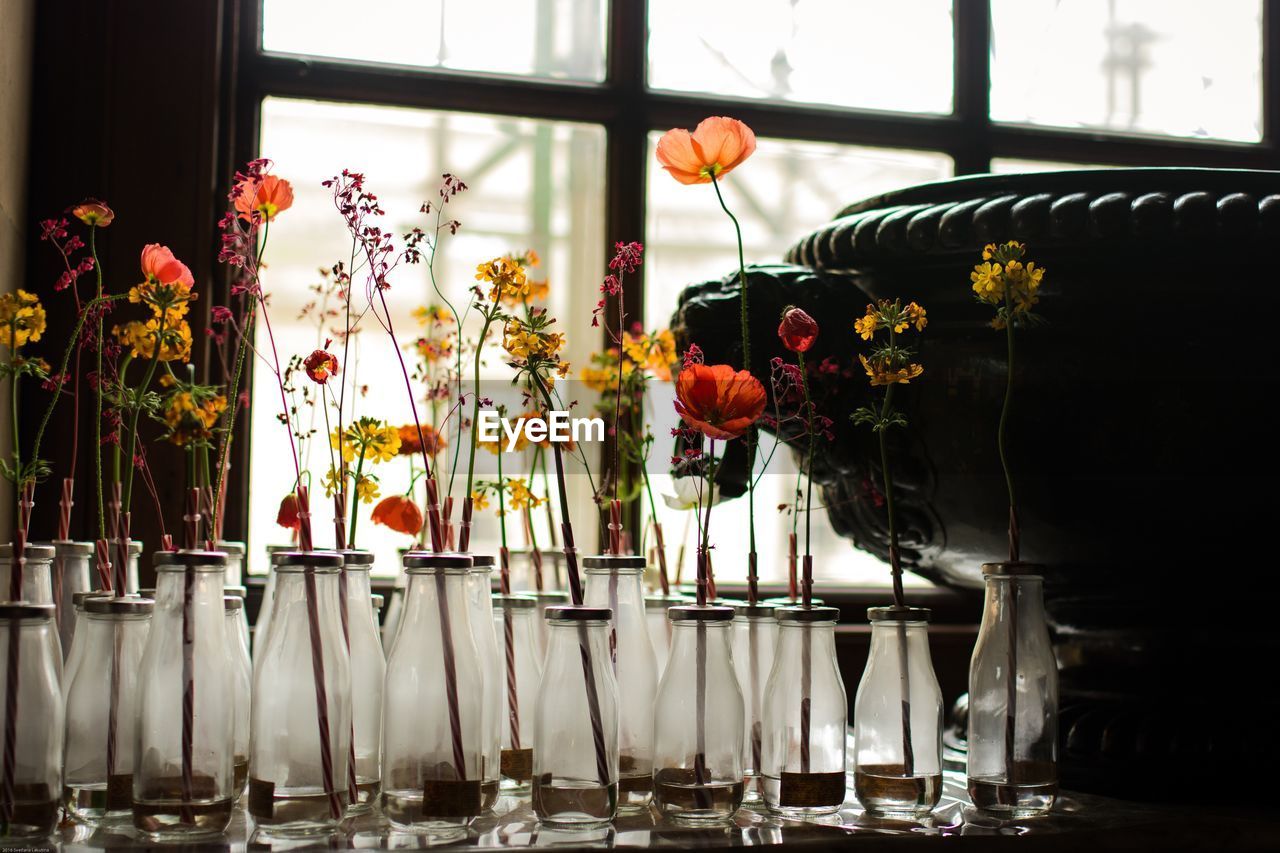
pixel 235 562
pixel 805 712
pixel 755 641
pixel 242 686
pixel 698 720
pixel 37 576
pixel 655 614
pixel 301 703
pixel 368 676
pixel 432 735
pixel 1013 721
pixel 70 575
pixel 30 721
pixel 480 604
pixel 182 774
pixel 521 675
pixel 102 710
pixel 575 753
pixel 897 718
pixel 615 582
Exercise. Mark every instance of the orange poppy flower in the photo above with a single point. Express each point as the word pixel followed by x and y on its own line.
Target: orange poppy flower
pixel 399 513
pixel 269 197
pixel 409 444
pixel 715 147
pixel 159 266
pixel 287 515
pixel 93 212
pixel 717 400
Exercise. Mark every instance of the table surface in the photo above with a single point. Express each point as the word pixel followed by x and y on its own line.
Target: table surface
pixel 1079 822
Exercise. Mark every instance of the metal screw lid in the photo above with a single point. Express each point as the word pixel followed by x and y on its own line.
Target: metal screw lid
pixel 482 561
pixel 808 614
pixel 614 561
pixel 125 604
pixel 549 595
pixel 759 610
pixel 787 601
pixel 205 560
pixel 233 549
pixel 514 602
pixel 662 602
pixel 231 603
pixel 302 559
pixel 68 548
pixel 898 614
pixel 356 557
pixel 694 613
pixel 430 560
pixel 377 600
pixel 32 551
pixel 79 598
pixel 25 610
pixel 578 613
pixel 1013 569
pixel 237 591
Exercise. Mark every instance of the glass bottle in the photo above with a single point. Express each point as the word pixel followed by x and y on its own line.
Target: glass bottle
pixel 395 609
pixel 31 721
pixel 131 569
pixel 77 651
pixel 262 627
pixel 301 702
pixel 102 710
pixel 521 675
pixel 235 562
pixel 368 675
pixel 432 733
pixel 698 720
pixel 242 618
pixel 805 711
pixel 755 641
pixel 70 575
pixel 182 771
pixel 541 627
pixel 575 752
pixel 897 763
pixel 655 614
pixel 242 687
pixel 480 604
pixel 616 582
pixel 1013 723
pixel 37 582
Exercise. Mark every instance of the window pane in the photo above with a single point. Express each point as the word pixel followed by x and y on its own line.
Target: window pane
pixel 865 55
pixel 1145 66
pixel 539 38
pixel 1012 165
pixel 532 184
pixel 786 189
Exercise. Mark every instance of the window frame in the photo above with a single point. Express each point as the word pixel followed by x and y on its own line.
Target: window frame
pixel 629 111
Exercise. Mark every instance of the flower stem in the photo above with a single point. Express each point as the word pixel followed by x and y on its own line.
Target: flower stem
pixel 1014 544
pixel 137 410
pixel 97 418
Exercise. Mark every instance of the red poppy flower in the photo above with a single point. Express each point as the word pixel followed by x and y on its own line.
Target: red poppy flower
pixel 267 197
pixel 717 400
pixel 798 330
pixel 287 515
pixel 320 365
pixel 409 444
pixel 93 212
pixel 399 513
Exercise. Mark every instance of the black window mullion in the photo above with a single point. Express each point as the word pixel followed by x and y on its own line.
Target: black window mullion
pixel 971 148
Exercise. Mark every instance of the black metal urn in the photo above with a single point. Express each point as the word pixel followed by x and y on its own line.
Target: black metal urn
pixel 1142 438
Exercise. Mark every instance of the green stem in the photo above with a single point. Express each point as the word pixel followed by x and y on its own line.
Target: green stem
pixel 13 401
pixel 475 403
pixel 137 409
pixel 97 419
pixel 502 510
pixel 809 418
pixel 355 500
pixel 895 568
pixel 1000 434
pixel 745 314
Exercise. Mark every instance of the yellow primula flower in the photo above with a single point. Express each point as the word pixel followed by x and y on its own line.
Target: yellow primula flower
pixel 141 339
pixel 330 482
pixel 22 319
pixel 366 489
pixel 189 421
pixel 508 280
pixel 432 314
pixel 866 325
pixel 882 374
pixel 520 495
pixel 479 501
pixel 369 438
pixel 539 290
pixel 915 314
pixel 988 282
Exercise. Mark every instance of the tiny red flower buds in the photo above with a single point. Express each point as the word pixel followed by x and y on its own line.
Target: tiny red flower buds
pixel 320 365
pixel 798 330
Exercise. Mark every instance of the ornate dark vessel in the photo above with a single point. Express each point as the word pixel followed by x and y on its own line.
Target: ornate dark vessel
pixel 1142 438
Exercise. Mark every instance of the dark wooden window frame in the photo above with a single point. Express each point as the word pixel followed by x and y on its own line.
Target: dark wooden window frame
pixel 629 111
